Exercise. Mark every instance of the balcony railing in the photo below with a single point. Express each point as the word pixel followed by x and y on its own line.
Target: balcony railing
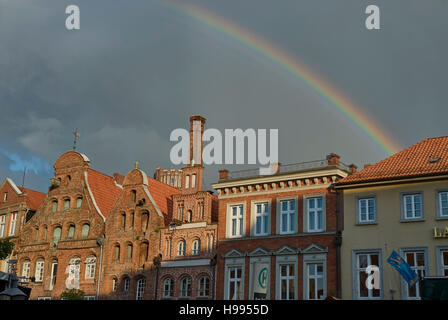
pixel 288 168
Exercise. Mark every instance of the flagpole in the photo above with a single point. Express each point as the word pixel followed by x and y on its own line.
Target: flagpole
pixel 390 280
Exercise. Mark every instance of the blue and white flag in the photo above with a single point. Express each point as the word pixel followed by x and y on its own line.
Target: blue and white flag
pixel 403 268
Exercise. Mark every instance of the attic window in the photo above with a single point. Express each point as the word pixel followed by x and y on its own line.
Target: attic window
pixel 434 160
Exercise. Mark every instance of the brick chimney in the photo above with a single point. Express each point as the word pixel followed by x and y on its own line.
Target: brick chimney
pixel 333 159
pixel 352 168
pixel 223 174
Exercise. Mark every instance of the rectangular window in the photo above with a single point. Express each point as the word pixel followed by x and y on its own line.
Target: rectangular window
pixel 315 214
pixel 315 278
pixel 261 219
pixel 412 206
pixel 444 262
pixel 417 261
pixel 54 272
pixel 363 260
pixel 12 226
pixel 2 225
pixel 26 267
pixel 39 271
pixel 141 284
pixel 443 204
pixel 236 221
pixel 287 282
pixel 5 197
pixel 287 216
pixel 235 283
pixel 366 210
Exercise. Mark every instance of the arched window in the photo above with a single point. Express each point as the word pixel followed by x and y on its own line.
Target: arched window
pixel 185 287
pixel 193 180
pixel 85 230
pixel 141 284
pixel 123 220
pixel 117 252
pixel 189 216
pixel 78 202
pixel 187 182
pixel 132 219
pixel 36 233
pixel 54 206
pixel 114 284
pixel 71 231
pixel 129 251
pixel 39 271
pixel 26 267
pixel 74 268
pixel 90 267
pixel 204 287
pixel 145 221
pixel 66 203
pixel 181 248
pixel 57 235
pixel 168 288
pixel 196 249
pixel 126 284
pixel 134 195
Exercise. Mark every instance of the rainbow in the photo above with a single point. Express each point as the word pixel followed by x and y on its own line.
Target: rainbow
pixel 295 68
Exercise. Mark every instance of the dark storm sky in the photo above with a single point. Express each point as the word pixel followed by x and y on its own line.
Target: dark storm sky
pixel 137 69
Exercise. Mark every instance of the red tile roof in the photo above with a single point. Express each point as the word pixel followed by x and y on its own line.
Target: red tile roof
pixel 161 194
pixel 33 198
pixel 104 190
pixel 426 158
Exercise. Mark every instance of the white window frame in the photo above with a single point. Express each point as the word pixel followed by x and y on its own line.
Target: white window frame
pixel 126 284
pixel 168 287
pixel 316 278
pixel 196 247
pixel 263 260
pixel 356 270
pixel 53 276
pixel 26 270
pixel 282 260
pixel 202 287
pixel 181 248
pixel 240 218
pixel 419 269
pixel 185 287
pixel 39 272
pixel 265 217
pixel 231 264
pixel 288 213
pixel 404 217
pixel 367 199
pixel 441 267
pixel 2 225
pixel 90 267
pixel 13 223
pixel 439 205
pixel 140 289
pixel 307 213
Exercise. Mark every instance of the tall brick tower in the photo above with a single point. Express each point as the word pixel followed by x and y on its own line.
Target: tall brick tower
pixel 192 173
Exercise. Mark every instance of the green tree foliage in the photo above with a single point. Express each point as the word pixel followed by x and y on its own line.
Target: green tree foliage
pixel 72 294
pixel 6 247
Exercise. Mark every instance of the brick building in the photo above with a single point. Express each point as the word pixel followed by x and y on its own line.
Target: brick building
pixel 188 243
pixel 65 236
pixel 161 235
pixel 279 235
pixel 17 206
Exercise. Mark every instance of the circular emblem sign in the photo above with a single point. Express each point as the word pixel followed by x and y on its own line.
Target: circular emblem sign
pixel 263 277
